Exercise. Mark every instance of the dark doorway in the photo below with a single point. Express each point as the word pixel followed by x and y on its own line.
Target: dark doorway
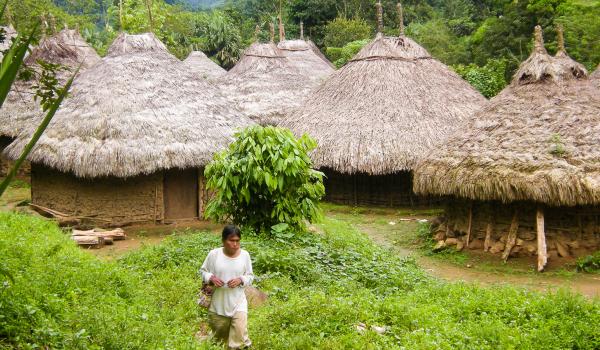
pixel 181 194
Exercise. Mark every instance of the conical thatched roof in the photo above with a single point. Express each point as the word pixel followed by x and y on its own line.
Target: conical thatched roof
pixel 266 84
pixel 384 109
pixel 198 62
pixel 66 48
pixel 537 140
pixel 137 111
pixel 305 56
pixel 9 34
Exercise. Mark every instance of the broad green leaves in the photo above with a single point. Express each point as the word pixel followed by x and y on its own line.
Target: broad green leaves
pixel 264 181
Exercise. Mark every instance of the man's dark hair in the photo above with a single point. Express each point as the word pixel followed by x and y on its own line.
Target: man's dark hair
pixel 231 230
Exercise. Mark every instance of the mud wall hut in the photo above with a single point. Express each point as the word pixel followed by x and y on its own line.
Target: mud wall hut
pixel 524 176
pixel 198 63
pixel 374 118
pixel 130 142
pixel 20 110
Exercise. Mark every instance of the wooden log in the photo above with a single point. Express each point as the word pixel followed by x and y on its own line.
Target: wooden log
pixel 487 244
pixel 542 252
pixel 512 236
pixel 470 225
pixel 89 240
pixel 116 234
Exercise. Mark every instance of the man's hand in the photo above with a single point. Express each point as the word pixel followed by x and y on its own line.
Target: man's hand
pixel 234 282
pixel 216 281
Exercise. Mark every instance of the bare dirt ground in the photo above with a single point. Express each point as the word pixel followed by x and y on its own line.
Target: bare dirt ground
pixel 396 229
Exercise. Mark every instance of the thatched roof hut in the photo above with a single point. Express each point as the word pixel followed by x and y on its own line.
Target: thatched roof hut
pixel 266 84
pixel 198 63
pixel 533 141
pixel 380 114
pixel 384 109
pixel 532 150
pixel 68 49
pixel 307 57
pixel 135 117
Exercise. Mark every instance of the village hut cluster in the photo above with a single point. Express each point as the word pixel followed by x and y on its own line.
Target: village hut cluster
pixel 517 175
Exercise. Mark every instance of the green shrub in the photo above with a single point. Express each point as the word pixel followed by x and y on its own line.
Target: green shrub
pixel 264 181
pixel 590 263
pixel 341 31
pixel 341 55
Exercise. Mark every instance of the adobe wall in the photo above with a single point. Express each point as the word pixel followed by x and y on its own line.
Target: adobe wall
pixel 104 201
pixel 570 231
pixel 377 190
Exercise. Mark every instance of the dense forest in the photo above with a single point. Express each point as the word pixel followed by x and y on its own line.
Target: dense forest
pixel 483 40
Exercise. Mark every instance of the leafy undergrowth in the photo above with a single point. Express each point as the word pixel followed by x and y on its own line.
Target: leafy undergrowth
pixel 321 286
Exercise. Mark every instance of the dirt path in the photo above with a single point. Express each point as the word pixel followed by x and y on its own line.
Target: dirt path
pixel 396 230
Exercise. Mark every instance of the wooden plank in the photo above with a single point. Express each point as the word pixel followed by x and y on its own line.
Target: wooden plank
pixel 470 225
pixel 489 229
pixel 541 241
pixel 512 236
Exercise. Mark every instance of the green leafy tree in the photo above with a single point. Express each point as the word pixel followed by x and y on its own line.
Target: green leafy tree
pixel 264 181
pixel 489 79
pixel 341 31
pixel 341 55
pixel 222 39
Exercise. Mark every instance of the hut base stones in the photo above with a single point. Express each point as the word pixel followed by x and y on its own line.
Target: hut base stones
pixel 566 231
pixel 388 190
pixel 111 201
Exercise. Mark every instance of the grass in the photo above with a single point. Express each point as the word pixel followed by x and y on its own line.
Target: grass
pixel 321 286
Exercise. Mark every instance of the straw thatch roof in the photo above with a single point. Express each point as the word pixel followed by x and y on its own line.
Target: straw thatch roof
pixel 596 76
pixel 137 111
pixel 266 84
pixel 68 49
pixel 198 63
pixel 384 109
pixel 537 140
pixel 9 34
pixel 307 57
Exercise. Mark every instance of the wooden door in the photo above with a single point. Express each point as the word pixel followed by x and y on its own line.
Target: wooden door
pixel 180 193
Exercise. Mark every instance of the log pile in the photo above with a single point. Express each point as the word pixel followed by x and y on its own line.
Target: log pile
pixel 97 238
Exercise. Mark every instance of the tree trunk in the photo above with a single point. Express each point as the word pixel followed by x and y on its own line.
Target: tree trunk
pixel 487 244
pixel 470 227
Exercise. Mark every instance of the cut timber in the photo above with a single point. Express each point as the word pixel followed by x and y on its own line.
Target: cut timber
pixel 512 237
pixel 487 244
pixel 470 225
pixel 89 241
pixel 116 234
pixel 541 241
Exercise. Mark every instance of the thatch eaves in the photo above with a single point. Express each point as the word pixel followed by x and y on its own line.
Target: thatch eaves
pixel 200 64
pixel 66 48
pixel 535 141
pixel 266 84
pixel 307 57
pixel 385 109
pixel 135 112
pixel 9 34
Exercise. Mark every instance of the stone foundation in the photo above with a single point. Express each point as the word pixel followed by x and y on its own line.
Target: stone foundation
pixel 570 231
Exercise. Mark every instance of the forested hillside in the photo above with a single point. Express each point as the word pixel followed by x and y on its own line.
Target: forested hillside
pixel 484 40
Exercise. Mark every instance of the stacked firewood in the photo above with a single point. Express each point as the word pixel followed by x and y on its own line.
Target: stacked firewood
pixel 97 238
